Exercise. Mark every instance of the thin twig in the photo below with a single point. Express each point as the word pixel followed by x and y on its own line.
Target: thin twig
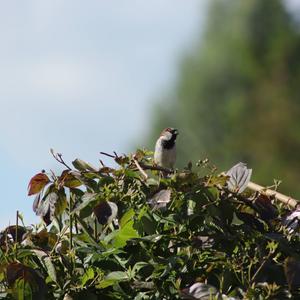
pixel 53 175
pixel 62 161
pixel 139 167
pixel 58 157
pixel 261 266
pixel 71 223
pixel 106 154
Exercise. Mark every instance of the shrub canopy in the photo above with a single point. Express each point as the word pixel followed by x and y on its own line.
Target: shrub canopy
pixel 123 233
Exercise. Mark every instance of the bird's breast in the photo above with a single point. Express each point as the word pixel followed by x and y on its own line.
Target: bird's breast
pixel 164 157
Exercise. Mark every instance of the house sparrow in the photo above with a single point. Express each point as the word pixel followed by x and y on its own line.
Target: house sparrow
pixel 165 148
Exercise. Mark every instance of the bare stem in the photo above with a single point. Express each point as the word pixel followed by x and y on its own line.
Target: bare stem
pixel 95 229
pixel 71 223
pixel 17 224
pixel 16 234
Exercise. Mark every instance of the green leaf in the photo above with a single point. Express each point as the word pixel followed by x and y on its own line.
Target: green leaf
pixel 88 275
pixel 87 198
pixel 117 276
pixel 147 225
pixel 22 290
pixel 139 265
pixel 130 173
pixel 67 179
pixel 46 261
pixel 112 278
pixel 236 220
pixel 87 234
pixel 81 165
pixel 124 234
pixel 212 193
pixel 152 181
pixel 61 203
pixel 127 217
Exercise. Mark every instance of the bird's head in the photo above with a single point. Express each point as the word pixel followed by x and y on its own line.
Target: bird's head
pixel 169 133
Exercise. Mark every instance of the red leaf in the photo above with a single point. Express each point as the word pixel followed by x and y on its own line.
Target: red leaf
pixel 37 183
pixel 17 271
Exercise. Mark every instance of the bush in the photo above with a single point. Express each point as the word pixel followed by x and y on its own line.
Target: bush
pixel 122 233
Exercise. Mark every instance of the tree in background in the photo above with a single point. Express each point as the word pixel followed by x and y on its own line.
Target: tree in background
pixel 237 93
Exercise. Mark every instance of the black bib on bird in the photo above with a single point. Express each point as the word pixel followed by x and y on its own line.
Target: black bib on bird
pixel 170 143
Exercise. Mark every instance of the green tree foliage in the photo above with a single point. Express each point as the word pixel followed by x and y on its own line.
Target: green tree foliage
pixel 122 233
pixel 236 97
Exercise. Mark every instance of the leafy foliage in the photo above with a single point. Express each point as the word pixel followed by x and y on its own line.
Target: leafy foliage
pixel 113 233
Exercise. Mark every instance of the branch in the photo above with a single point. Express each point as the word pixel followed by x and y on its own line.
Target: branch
pixel 139 167
pixel 271 193
pixel 155 168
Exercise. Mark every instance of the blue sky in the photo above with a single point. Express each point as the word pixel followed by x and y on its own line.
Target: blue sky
pixel 72 73
pixel 82 77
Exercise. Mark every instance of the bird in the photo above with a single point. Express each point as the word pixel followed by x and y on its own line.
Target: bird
pixel 165 148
